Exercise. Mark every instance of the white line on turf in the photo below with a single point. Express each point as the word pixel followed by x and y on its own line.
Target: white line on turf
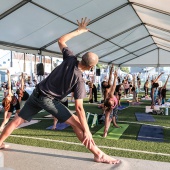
pixel 105 147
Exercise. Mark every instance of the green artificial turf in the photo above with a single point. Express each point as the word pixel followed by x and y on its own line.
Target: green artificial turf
pixel 37 135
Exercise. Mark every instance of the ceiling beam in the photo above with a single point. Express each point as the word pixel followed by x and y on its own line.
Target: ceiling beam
pixel 163 45
pixel 95 20
pixel 129 29
pixel 137 56
pixel 14 8
pixel 91 22
pixel 159 28
pixel 132 52
pixel 139 18
pixel 164 49
pixel 124 47
pixel 160 38
pixel 150 8
pixel 23 47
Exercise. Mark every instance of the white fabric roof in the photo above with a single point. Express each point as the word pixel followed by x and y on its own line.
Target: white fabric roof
pixel 124 32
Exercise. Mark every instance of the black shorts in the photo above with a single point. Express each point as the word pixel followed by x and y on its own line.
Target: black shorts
pixel 35 103
pixel 12 107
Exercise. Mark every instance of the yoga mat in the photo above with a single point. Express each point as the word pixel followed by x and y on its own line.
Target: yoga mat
pixel 136 103
pixel 28 123
pixel 59 126
pixel 144 117
pixel 122 107
pixel 151 133
pixel 146 98
pixel 148 108
pixel 114 133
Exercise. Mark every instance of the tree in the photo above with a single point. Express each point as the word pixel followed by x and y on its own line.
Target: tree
pixel 125 69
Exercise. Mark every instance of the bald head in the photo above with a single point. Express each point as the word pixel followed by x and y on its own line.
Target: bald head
pixel 90 59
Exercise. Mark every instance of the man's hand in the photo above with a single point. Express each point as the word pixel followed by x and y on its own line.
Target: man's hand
pixel 88 140
pixel 82 25
pixel 81 29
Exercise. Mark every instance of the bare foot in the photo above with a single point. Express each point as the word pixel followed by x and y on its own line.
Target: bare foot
pixel 4 146
pixel 106 159
pixel 116 126
pixel 152 106
pixel 53 128
pixel 104 135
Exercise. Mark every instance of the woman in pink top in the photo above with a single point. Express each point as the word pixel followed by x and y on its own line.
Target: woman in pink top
pixel 110 107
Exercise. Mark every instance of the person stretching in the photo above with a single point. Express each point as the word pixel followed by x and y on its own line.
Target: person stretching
pixel 9 103
pixel 110 107
pixel 48 94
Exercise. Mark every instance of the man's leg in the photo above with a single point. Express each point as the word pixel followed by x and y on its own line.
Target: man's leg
pixel 99 156
pixel 9 129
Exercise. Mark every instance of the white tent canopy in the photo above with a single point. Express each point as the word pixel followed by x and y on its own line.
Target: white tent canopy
pixel 124 32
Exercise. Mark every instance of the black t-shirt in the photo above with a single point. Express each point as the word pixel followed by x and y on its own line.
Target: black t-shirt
pixel 64 79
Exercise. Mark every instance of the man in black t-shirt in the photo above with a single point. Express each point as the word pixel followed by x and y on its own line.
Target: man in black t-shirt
pixel 48 95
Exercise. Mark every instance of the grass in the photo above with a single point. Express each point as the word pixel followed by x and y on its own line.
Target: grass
pixel 51 139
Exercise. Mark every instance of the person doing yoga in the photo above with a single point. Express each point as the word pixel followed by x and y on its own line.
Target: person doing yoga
pixel 110 106
pixel 48 94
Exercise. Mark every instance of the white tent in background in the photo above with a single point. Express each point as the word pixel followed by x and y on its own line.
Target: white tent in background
pixel 124 32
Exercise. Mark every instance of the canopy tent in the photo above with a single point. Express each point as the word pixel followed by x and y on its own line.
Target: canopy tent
pixel 124 32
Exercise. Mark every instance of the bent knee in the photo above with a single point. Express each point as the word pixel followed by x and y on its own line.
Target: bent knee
pixel 17 121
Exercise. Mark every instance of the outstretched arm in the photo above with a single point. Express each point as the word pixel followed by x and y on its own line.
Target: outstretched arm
pixel 9 82
pixel 110 75
pixel 113 87
pixel 164 86
pixel 157 78
pixel 81 29
pixel 22 81
pixel 20 94
pixel 147 78
pixel 133 82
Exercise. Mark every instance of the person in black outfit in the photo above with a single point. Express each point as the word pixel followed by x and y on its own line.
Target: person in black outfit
pixel 48 95
pixel 93 92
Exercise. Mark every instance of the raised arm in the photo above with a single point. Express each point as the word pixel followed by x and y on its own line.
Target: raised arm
pixel 158 77
pixel 9 83
pixel 81 29
pixel 113 87
pixel 22 81
pixel 110 75
pixel 133 82
pixel 147 78
pixel 164 86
